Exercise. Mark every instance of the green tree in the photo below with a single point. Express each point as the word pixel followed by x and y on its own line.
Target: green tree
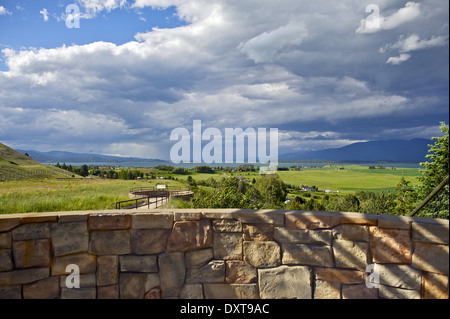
pixel 406 197
pixel 434 172
pixel 272 190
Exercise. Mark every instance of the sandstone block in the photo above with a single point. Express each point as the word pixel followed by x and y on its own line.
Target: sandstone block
pixel 198 258
pixel 110 242
pixel 31 231
pixel 32 253
pixel 23 276
pixel 214 271
pixel 250 216
pixel 6 262
pixel 87 264
pixel 69 238
pixel 172 272
pixel 187 235
pixel 228 246
pixel 227 226
pixel 390 245
pixel 400 276
pixel 240 272
pixel 149 241
pixel 7 224
pixel 285 282
pixel 387 292
pixel 5 240
pixel 152 281
pixel 11 292
pixel 179 216
pixel 431 233
pixel 233 291
pixel 132 286
pixel 262 254
pixel 432 258
pixel 344 276
pixel 359 292
pixel 108 292
pixel 109 222
pixel 303 254
pixel 311 221
pixel 152 220
pixel 47 288
pixel 435 286
pixel 327 290
pixel 154 293
pixel 258 232
pixel 107 270
pixel 130 263
pixel 78 293
pixel 351 232
pixel 191 291
pixel 349 254
pixel 305 236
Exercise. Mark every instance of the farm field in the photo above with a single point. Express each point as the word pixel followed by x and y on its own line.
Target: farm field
pixel 93 194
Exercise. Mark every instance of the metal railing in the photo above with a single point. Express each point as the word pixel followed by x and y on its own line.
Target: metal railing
pixel 143 201
pixel 429 197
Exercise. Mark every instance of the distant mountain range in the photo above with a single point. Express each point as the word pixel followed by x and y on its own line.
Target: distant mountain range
pixel 375 151
pixel 70 157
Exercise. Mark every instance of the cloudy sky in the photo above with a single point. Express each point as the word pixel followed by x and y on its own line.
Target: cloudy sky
pixel 325 73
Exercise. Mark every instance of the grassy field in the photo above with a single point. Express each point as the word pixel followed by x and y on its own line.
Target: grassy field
pixel 92 194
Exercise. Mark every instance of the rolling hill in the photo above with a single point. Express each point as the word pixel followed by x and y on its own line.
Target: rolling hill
pixel 15 165
pixel 412 151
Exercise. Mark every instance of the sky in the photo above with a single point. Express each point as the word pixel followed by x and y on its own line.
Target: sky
pixel 324 73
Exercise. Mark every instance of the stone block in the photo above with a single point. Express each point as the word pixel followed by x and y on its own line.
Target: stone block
pixel 187 235
pixel 5 240
pixel 47 288
pixel 109 222
pixel 387 292
pixel 233 291
pixel 31 231
pixel 359 292
pixel 69 238
pixel 154 293
pixel 107 270
pixel 285 282
pixel 132 286
pixel 228 246
pixel 179 216
pixel 258 232
pixel 327 290
pixel 7 224
pixel 431 233
pixel 86 262
pixel 199 258
pixel 149 241
pixel 191 291
pixel 152 221
pixel 152 281
pixel 262 254
pixel 390 246
pixel 435 286
pixel 304 254
pixel 351 232
pixel 172 272
pixel 250 216
pixel 214 271
pixel 110 242
pixel 399 276
pixel 431 258
pixel 23 276
pixel 6 262
pixel 227 226
pixel 78 293
pixel 240 272
pixel 305 236
pixel 130 263
pixel 32 253
pixel 344 276
pixel 11 292
pixel 86 281
pixel 311 221
pixel 349 254
pixel 108 292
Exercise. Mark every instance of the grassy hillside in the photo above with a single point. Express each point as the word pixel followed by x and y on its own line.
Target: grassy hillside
pixel 17 166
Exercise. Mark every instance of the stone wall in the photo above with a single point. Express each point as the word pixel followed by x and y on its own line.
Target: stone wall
pixel 222 254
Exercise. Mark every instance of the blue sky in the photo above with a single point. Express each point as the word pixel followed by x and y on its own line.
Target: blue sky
pixel 137 69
